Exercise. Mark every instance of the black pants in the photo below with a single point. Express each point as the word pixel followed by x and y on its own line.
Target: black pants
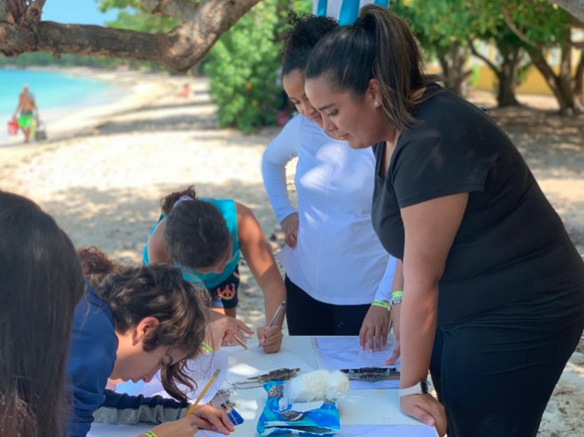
pixel 308 316
pixel 495 379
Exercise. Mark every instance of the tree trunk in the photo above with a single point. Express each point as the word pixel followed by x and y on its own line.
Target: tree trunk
pixel 561 85
pixel 452 60
pixel 579 83
pixel 507 77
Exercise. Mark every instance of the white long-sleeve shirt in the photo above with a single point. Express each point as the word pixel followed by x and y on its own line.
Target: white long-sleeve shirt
pixel 338 258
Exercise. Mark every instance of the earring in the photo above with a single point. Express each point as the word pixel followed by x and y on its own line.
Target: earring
pixel 376 103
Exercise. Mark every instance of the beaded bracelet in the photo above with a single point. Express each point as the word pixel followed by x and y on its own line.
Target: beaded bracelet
pixel 396 297
pixel 381 304
pixel 150 434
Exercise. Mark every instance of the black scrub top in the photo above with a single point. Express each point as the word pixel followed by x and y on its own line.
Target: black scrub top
pixel 511 247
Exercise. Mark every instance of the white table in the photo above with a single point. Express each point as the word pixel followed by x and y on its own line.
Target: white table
pixel 362 412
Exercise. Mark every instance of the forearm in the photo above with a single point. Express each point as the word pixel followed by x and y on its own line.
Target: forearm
pixel 274 290
pixel 398 277
pixel 417 330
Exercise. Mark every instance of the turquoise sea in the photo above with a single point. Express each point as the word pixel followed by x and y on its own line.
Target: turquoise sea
pixel 54 93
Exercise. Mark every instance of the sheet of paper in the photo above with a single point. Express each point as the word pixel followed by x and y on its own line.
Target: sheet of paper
pixel 373 407
pixel 254 361
pixel 200 369
pixel 337 353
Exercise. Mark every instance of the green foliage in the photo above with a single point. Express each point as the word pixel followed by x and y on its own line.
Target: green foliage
pixel 143 21
pixel 244 66
pixel 133 16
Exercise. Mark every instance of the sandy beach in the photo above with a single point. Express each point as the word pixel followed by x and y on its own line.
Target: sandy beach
pixel 103 179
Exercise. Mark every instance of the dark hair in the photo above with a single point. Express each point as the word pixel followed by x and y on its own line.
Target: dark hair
pixel 40 285
pixel 196 234
pixel 160 291
pixel 379 45
pixel 96 265
pixel 299 41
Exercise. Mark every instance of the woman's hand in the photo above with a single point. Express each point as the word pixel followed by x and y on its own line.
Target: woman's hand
pixel 290 229
pixel 395 312
pixel 270 338
pixel 214 419
pixel 184 427
pixel 374 328
pixel 426 409
pixel 224 329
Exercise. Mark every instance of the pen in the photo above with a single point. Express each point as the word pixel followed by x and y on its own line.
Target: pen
pixel 278 311
pixel 194 406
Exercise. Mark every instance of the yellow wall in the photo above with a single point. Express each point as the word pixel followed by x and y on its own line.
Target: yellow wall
pixel 534 82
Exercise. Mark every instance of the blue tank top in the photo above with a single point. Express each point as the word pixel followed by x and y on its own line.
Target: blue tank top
pixel 210 280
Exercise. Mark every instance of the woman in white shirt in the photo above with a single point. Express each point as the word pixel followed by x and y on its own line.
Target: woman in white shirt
pixel 338 276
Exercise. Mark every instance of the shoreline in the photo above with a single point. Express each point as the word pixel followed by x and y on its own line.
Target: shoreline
pixel 62 123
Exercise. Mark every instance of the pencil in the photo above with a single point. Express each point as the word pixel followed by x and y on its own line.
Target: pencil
pixel 243 345
pixel 213 378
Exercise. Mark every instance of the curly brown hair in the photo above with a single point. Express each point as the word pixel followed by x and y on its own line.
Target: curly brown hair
pixel 96 265
pixel 160 291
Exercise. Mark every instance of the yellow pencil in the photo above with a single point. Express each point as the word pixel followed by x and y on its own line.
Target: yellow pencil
pixel 243 345
pixel 213 378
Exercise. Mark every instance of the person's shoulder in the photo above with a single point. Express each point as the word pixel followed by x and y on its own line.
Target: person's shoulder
pixel 93 315
pixel 443 108
pixel 93 340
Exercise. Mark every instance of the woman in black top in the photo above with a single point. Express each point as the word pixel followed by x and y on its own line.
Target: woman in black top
pixel 493 301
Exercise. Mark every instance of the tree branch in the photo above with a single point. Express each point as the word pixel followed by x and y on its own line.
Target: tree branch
pixel 482 57
pixel 179 9
pixel 55 38
pixel 179 49
pixel 574 7
pixel 509 22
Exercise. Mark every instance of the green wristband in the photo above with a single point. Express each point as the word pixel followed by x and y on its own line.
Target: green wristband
pixel 206 350
pixel 150 434
pixel 396 297
pixel 381 304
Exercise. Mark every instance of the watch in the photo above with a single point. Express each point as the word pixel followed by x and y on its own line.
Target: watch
pixel 421 388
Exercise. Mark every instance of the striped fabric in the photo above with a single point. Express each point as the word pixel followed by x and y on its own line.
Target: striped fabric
pixel 345 11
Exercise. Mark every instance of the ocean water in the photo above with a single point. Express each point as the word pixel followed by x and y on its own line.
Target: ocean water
pixel 54 93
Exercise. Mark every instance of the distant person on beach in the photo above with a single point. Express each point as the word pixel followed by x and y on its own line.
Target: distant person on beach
pixel 40 285
pixel 205 238
pixel 26 113
pixel 132 325
pixel 186 91
pixel 338 276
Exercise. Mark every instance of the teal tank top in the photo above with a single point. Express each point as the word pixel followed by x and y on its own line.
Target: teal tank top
pixel 210 280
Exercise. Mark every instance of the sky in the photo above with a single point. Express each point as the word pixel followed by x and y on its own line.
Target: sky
pixel 76 11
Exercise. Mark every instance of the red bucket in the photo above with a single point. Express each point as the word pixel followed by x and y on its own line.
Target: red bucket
pixel 12 127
